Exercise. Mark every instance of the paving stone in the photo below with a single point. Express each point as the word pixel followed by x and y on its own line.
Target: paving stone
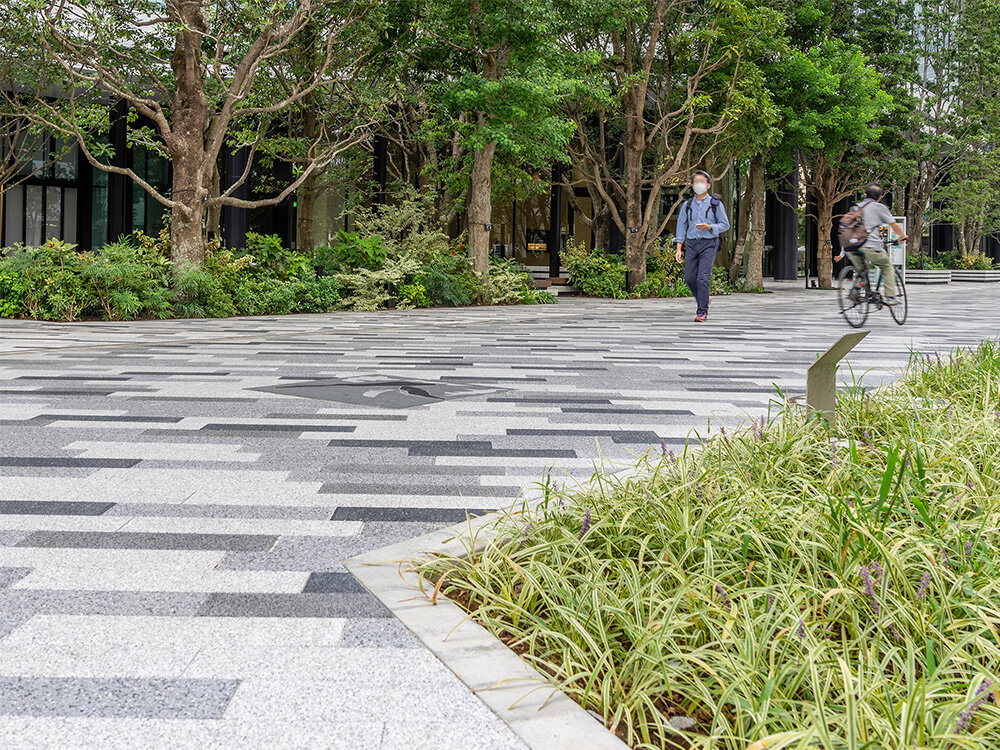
pixel 53 507
pixel 292 605
pixel 140 540
pixel 122 696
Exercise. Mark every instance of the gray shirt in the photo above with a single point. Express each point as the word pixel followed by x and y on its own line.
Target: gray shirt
pixel 875 215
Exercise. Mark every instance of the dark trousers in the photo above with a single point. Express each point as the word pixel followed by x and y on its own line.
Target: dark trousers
pixel 699 257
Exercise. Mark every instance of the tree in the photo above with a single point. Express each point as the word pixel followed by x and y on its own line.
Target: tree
pixel 193 70
pixel 830 100
pixel 492 84
pixel 971 193
pixel 674 87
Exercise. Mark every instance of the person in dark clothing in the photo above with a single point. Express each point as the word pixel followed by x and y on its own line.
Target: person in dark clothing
pixel 701 221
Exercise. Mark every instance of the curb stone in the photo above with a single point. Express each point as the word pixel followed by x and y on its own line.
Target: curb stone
pixel 542 716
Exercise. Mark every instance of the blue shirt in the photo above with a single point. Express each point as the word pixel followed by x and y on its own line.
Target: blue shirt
pixel 701 213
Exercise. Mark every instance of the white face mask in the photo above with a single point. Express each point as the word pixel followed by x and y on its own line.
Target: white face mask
pixel 700 188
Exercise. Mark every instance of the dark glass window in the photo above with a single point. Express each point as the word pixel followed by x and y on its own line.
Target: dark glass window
pixel 43 201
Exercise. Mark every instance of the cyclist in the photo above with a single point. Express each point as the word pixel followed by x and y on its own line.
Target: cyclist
pixel 876 215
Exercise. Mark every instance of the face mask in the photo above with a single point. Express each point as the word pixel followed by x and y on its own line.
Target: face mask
pixel 700 188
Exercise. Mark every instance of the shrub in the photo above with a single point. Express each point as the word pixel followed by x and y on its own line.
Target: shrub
pixel 413 294
pixel 198 293
pixel 129 281
pixel 350 252
pixel 449 280
pixel 667 279
pixel 948 259
pixel 12 294
pixel 264 297
pixel 368 290
pixel 51 286
pixel 319 294
pixel 273 260
pixel 511 284
pixel 406 226
pixel 922 261
pixel 595 272
pixel 975 262
pixel 226 267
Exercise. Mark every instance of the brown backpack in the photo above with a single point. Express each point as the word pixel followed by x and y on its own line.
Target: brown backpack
pixel 852 233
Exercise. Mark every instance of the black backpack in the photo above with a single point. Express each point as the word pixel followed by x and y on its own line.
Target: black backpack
pixel 716 200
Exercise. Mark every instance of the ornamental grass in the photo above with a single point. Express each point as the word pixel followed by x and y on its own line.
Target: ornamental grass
pixel 788 585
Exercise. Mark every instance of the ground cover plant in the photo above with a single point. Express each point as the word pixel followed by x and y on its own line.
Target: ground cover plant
pixel 786 585
pixel 598 273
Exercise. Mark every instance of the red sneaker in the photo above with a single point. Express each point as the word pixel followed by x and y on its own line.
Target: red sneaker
pixel 700 318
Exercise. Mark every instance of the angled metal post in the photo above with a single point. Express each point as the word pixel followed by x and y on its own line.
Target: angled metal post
pixel 821 378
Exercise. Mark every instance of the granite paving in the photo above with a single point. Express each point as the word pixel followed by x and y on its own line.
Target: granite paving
pixel 177 498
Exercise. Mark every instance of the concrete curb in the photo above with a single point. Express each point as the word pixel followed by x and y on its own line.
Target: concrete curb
pixel 543 717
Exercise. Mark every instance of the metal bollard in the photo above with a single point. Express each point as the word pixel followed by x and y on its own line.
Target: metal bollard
pixel 821 378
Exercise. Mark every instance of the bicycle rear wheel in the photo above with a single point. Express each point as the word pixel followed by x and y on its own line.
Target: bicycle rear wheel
pixel 899 311
pixel 852 296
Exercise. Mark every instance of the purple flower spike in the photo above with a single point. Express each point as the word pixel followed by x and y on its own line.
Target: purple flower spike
pixel 965 718
pixel 866 578
pixel 527 530
pixel 876 572
pixel 663 447
pixel 725 599
pixel 896 635
pixel 801 632
pixel 925 581
pixel 770 602
pixel 586 524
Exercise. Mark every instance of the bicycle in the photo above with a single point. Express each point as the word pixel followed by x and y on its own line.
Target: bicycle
pixel 856 294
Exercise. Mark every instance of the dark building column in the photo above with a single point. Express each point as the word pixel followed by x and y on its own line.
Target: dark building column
pixel 991 246
pixel 379 162
pixel 812 237
pixel 781 227
pixel 942 238
pixel 235 221
pixel 119 186
pixel 555 220
pixel 840 208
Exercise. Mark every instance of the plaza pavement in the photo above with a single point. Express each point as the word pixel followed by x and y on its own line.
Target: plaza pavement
pixel 176 502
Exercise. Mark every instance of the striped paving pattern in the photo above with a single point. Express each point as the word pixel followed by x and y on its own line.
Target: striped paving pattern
pixel 177 498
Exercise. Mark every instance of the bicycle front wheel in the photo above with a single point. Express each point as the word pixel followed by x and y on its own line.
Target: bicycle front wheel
pixel 899 311
pixel 852 296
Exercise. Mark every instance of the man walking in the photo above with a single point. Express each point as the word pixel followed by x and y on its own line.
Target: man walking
pixel 701 221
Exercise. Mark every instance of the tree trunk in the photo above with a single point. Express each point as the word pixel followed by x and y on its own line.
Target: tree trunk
pixel 187 142
pixel 481 210
pixel 756 198
pixel 306 212
pixel 635 238
pixel 186 241
pixel 744 218
pixel 824 251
